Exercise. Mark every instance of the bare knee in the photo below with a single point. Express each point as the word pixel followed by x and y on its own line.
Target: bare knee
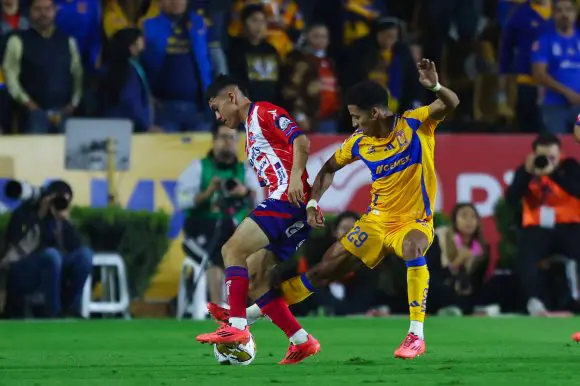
pixel 415 245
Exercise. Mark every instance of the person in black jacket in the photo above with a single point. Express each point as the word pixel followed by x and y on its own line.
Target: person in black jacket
pixel 254 61
pixel 45 255
pixel 548 184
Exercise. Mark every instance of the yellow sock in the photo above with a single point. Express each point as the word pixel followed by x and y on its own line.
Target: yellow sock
pixel 417 288
pixel 296 289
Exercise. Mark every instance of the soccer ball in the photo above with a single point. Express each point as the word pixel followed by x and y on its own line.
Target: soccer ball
pixel 235 354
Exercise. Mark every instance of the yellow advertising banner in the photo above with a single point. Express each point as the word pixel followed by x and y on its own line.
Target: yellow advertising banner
pixel 157 160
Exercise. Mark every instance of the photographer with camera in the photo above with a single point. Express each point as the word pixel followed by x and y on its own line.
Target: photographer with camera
pixel 43 255
pixel 548 184
pixel 216 193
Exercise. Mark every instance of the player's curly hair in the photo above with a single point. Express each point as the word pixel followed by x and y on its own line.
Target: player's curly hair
pixel 366 95
pixel 222 81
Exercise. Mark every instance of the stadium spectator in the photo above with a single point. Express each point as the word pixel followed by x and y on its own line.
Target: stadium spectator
pixel 43 71
pixel 310 86
pixel 284 22
pixel 216 193
pixel 556 63
pixel 177 63
pixel 254 61
pixel 11 19
pixel 214 17
pixel 81 19
pixel 360 16
pixel 45 255
pixel 437 18
pixel 386 59
pixel 464 255
pixel 120 14
pixel 522 28
pixel 126 91
pixel 549 186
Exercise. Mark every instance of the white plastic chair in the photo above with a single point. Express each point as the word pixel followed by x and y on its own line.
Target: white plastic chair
pixel 571 273
pixel 115 297
pixel 194 304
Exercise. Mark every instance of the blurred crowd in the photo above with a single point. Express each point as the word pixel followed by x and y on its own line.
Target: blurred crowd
pixel 514 63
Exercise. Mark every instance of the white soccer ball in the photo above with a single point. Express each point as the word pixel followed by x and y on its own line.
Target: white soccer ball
pixel 235 354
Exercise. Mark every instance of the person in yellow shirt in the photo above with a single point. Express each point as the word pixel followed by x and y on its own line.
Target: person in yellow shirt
pixel 399 151
pixel 121 14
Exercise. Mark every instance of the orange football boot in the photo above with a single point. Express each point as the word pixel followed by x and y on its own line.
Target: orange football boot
pixel 412 347
pixel 226 334
pixel 218 312
pixel 298 352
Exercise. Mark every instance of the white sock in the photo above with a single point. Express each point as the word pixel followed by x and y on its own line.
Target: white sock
pixel 239 323
pixel 299 337
pixel 417 328
pixel 253 313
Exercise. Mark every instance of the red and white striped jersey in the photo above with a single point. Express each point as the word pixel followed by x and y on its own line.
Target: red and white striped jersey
pixel 270 133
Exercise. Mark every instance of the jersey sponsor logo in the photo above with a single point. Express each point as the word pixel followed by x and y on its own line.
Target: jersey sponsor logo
pixel 294 228
pixel 371 149
pixel 392 165
pixel 283 123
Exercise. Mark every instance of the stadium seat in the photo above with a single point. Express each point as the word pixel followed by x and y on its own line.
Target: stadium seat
pixel 192 298
pixel 115 289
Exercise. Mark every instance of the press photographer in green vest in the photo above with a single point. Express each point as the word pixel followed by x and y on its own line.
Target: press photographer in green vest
pixel 216 193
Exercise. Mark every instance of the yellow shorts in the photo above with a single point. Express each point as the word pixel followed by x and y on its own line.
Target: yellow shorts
pixel 371 240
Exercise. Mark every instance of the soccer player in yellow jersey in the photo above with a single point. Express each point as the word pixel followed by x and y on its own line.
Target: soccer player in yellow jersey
pixel 399 152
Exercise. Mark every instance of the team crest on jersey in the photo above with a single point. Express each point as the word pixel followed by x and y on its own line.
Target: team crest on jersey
pixel 402 138
pixel 283 122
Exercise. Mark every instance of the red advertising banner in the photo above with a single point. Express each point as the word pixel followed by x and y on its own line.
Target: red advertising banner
pixel 470 168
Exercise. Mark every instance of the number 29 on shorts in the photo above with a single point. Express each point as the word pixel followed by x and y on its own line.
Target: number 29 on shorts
pixel 357 237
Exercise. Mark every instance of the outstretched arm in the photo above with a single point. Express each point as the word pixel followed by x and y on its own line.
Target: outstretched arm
pixel 324 178
pixel 447 100
pixel 321 184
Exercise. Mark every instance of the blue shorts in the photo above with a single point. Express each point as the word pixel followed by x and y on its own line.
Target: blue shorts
pixel 284 224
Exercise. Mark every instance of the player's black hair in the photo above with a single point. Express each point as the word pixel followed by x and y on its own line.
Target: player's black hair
pixel 367 94
pixel 251 9
pixel 546 139
pixel 222 81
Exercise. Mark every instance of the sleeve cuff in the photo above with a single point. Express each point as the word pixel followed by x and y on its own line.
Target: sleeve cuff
pixel 295 135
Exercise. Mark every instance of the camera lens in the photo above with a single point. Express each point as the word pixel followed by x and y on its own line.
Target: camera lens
pixel 230 184
pixel 60 203
pixel 541 161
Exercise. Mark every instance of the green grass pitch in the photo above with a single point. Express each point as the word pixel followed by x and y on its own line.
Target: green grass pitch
pixel 460 351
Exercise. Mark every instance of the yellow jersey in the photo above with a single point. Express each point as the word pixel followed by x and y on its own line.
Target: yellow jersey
pixel 402 167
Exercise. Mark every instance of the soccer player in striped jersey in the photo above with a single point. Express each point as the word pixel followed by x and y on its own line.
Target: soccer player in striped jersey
pixel 278 151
